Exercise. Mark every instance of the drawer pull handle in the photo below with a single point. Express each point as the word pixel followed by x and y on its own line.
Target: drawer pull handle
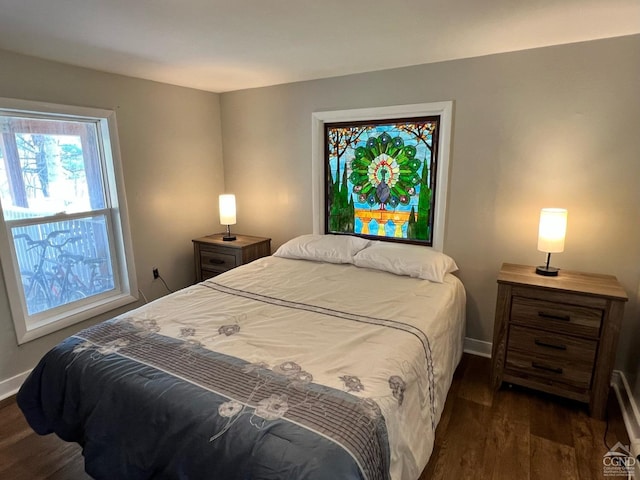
pixel 557 346
pixel 540 366
pixel 564 318
pixel 216 261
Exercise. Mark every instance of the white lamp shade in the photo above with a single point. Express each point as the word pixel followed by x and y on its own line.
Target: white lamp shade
pixel 552 231
pixel 227 203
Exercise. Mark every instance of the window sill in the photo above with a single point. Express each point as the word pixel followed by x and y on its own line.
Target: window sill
pixel 53 324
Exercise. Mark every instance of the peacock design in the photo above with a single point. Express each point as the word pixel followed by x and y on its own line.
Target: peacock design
pixel 380 180
pixel 384 172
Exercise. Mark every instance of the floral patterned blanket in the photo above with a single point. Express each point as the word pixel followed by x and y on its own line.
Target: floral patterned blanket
pixel 279 369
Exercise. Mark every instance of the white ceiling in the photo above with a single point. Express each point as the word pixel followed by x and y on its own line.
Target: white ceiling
pixel 225 45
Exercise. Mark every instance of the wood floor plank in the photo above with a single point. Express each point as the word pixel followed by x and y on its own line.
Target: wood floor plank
pixel 476 386
pixel 514 403
pixel 12 425
pixel 41 466
pixel 551 417
pixel 20 456
pixel 589 445
pixel 434 469
pixel 7 401
pixel 457 456
pixel 551 459
pixel 507 449
pixel 588 437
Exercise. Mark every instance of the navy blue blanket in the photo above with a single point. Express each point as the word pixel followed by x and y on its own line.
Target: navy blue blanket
pixel 146 406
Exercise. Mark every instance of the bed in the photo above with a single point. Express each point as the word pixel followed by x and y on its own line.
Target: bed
pixel 296 366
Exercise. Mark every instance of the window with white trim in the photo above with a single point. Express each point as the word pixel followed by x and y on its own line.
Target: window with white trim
pixel 64 243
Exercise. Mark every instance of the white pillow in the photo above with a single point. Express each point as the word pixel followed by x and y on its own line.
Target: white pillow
pixel 402 259
pixel 323 248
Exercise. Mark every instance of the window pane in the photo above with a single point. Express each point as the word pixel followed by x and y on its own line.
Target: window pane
pixel 48 167
pixel 62 262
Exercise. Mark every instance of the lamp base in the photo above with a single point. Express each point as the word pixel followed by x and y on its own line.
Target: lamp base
pixel 547 271
pixel 228 237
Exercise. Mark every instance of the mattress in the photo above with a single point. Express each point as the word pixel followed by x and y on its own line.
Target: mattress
pixel 277 369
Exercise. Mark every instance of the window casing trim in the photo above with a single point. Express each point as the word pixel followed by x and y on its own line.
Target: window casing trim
pixel 29 328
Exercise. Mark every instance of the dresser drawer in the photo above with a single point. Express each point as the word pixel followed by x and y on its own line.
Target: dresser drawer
pixel 557 317
pixel 215 261
pixel 552 346
pixel 549 370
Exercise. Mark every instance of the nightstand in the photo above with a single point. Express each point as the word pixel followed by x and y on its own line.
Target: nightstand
pixel 557 334
pixel 214 256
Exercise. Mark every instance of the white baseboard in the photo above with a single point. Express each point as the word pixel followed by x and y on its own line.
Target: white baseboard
pixel 10 386
pixel 477 347
pixel 630 413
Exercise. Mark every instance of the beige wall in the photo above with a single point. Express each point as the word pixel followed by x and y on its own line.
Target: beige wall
pixel 172 162
pixel 546 127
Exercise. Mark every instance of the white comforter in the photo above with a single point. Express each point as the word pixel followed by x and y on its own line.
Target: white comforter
pixel 348 354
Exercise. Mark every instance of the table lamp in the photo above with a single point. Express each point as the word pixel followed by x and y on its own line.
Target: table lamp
pixel 551 233
pixel 227 204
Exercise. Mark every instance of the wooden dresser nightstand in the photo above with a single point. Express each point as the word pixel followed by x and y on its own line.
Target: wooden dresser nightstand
pixel 214 256
pixel 557 334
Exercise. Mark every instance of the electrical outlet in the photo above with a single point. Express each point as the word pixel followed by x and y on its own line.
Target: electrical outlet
pixel 156 273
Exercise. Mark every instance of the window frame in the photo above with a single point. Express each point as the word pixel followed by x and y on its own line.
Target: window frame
pixel 28 327
pixel 318 180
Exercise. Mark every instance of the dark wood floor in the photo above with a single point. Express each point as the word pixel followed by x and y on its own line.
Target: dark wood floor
pixel 510 434
pixel 516 433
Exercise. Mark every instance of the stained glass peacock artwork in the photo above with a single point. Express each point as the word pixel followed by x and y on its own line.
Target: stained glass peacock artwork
pixel 380 178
